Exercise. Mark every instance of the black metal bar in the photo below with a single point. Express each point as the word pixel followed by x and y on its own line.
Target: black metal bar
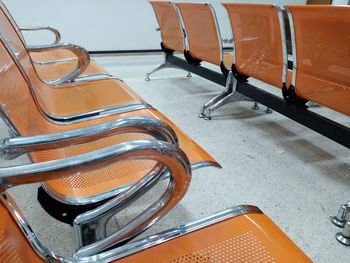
pixel 299 113
pixel 208 74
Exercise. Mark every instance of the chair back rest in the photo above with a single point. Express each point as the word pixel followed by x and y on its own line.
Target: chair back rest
pixel 322 54
pixel 14 247
pixel 170 27
pixel 13 42
pixel 12 20
pixel 202 31
pixel 42 93
pixel 259 41
pixel 16 99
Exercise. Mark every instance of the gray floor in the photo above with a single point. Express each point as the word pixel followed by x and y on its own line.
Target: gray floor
pixel 293 174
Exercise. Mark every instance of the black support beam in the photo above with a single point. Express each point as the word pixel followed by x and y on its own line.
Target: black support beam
pixel 299 113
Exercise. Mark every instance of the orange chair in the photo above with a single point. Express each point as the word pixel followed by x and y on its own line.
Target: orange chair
pixel 259 50
pixel 259 41
pixel 70 98
pixel 172 33
pixel 91 227
pixel 81 192
pixel 239 234
pixel 203 36
pixel 55 62
pixel 205 44
pixel 321 71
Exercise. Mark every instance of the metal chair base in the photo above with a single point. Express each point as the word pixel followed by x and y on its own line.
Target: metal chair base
pixel 166 64
pixel 225 97
pixel 340 219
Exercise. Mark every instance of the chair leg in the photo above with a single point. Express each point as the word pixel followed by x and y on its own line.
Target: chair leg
pixel 255 106
pixel 227 96
pixel 268 110
pixel 340 219
pixel 165 65
pixel 213 101
pixel 344 236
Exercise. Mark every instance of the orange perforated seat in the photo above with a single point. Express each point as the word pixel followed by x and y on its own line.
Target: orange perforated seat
pixel 260 50
pixel 69 100
pixel 170 28
pixel 322 55
pixel 203 34
pixel 28 120
pixel 172 34
pixel 234 235
pixel 246 238
pixel 14 247
pixel 55 70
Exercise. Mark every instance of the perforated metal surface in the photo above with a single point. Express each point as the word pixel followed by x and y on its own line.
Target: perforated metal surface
pixel 323 55
pixel 8 252
pixel 107 174
pixel 20 107
pixel 241 248
pixel 258 42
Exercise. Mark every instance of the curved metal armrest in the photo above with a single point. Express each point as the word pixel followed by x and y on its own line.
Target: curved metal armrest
pixel 13 147
pixel 48 28
pixel 81 53
pixel 94 77
pixel 173 162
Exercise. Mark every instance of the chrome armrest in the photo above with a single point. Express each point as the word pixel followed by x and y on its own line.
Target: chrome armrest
pixel 169 155
pixel 171 161
pixel 227 40
pixel 13 147
pixel 94 77
pixel 48 28
pixel 82 55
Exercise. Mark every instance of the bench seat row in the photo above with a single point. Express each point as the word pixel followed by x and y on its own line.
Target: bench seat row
pixel 96 146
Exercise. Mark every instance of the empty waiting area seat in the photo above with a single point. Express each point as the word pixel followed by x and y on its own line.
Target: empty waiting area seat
pixel 238 234
pixel 90 188
pixel 172 33
pixel 203 35
pixel 51 60
pixel 259 41
pixel 321 55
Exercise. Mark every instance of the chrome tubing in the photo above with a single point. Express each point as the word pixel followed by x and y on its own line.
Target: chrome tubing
pixel 167 154
pixel 13 147
pixel 82 55
pixel 177 163
pixel 40 28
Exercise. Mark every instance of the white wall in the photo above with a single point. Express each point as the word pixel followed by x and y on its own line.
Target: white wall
pixel 101 25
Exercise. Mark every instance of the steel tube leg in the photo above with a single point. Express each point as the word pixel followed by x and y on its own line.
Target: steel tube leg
pixel 344 236
pixel 340 219
pixel 164 65
pixel 160 67
pixel 268 110
pixel 227 92
pixel 255 106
